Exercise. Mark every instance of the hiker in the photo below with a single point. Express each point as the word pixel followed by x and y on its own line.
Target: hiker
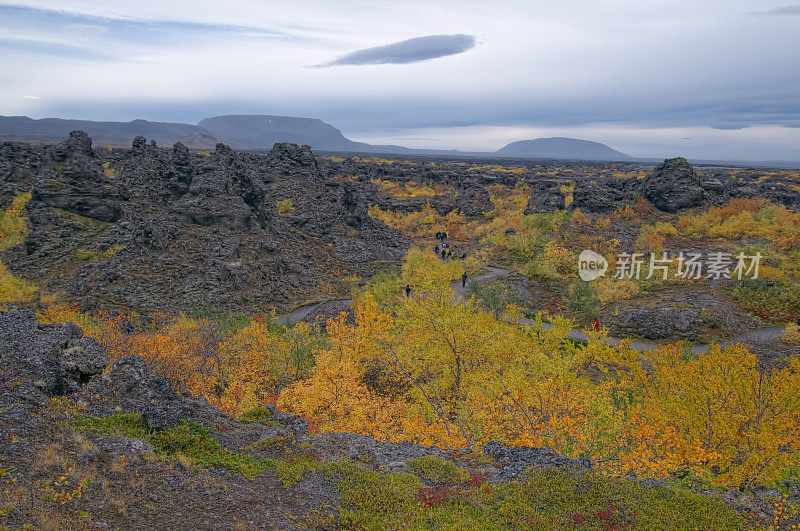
pixel 443 254
pixel 596 324
pixel 436 249
pixel 464 280
pixel 449 253
pixel 444 235
pixel 798 320
pixel 408 290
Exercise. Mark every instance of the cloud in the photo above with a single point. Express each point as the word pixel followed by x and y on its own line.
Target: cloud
pixel 729 127
pixel 409 51
pixel 53 48
pixel 793 10
pixel 86 30
pixel 31 98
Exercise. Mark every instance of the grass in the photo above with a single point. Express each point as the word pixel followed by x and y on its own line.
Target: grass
pixel 13 289
pixel 549 499
pixel 371 499
pixel 185 440
pixel 437 470
pixel 109 171
pixel 13 227
pixel 285 206
pixel 257 415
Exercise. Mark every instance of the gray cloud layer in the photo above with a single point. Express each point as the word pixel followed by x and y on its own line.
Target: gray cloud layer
pixel 409 51
pixel 793 10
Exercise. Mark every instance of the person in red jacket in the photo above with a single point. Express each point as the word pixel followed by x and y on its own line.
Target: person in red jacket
pixel 596 324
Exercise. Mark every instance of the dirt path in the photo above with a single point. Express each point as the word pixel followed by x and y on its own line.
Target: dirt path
pixel 577 334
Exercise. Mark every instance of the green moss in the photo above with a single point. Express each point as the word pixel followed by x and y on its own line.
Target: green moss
pixel 548 500
pixel 285 206
pixel 291 469
pixel 270 443
pixel 189 439
pixel 110 172
pixel 194 441
pixel 83 220
pixel 86 255
pixel 257 415
pixel 127 425
pixel 437 470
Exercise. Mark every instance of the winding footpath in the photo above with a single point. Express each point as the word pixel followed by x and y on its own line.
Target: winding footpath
pixel 576 334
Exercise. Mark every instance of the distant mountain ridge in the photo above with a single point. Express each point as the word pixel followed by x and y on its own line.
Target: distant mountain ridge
pixel 115 133
pixel 261 132
pixel 561 147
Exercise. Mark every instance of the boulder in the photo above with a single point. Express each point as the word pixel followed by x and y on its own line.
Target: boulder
pixel 674 185
pixel 657 322
pixel 515 461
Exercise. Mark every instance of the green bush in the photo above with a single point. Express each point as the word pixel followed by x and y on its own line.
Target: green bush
pixel 583 299
pixel 257 415
pixel 285 206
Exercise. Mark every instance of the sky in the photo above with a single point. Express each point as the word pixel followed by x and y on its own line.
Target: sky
pixel 702 79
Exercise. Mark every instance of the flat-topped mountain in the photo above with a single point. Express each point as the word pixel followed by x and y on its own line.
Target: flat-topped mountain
pixel 561 148
pixel 262 131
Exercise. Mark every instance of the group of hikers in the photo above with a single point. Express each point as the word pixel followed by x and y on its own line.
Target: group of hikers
pixel 443 248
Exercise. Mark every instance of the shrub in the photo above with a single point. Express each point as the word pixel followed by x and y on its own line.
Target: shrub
pixel 13 227
pixel 257 415
pixel 614 290
pixel 437 470
pixel 285 206
pixel 494 296
pixel 791 334
pixel 110 171
pixel 583 299
pixel 13 289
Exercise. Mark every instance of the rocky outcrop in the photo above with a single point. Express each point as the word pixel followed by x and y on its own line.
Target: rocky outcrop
pixel 515 461
pixel 42 361
pixel 55 359
pixel 163 229
pixel 546 196
pixel 674 185
pixel 657 322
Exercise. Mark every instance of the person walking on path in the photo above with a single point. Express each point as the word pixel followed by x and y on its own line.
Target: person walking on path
pixel 408 291
pixel 443 253
pixel 596 324
pixel 464 280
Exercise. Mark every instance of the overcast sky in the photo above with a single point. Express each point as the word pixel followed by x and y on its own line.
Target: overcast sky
pixel 704 79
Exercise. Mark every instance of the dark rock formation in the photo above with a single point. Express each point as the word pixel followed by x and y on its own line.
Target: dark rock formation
pixel 55 359
pixel 157 229
pixel 657 323
pixel 515 461
pixel 674 185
